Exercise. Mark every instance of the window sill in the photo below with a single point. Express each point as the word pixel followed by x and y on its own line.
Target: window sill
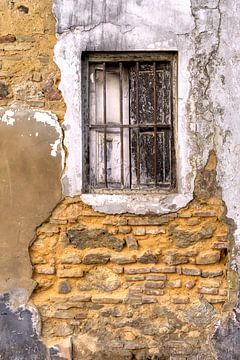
pixel 136 203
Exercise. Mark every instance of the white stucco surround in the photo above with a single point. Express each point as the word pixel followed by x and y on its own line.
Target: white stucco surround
pixel 208 87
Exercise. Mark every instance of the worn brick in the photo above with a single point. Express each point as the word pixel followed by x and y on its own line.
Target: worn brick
pixel 156 292
pixel 7 39
pixel 148 258
pixel 163 269
pixel 139 270
pixel 180 300
pixel 156 277
pixel 70 259
pixel 174 258
pixel 212 274
pixel 43 269
pixel 96 258
pixel 135 291
pixel 139 231
pixel 104 299
pixel 220 245
pixel 155 231
pixel 216 300
pixel 124 229
pixel 121 259
pixel 148 300
pixel 118 270
pixel 203 213
pixel 155 285
pixel 206 290
pixel 208 257
pixel 135 278
pixel 71 272
pixel 191 271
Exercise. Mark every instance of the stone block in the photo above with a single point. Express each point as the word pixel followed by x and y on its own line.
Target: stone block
pixel 70 259
pixel 7 39
pixel 135 278
pixel 124 229
pixel 180 300
pixel 156 292
pixel 208 257
pixel 138 270
pixel 155 285
pixel 156 277
pixel 148 300
pixel 43 269
pixel 121 259
pixel 100 279
pixel 211 274
pixel 175 259
pixel 103 299
pixel 3 90
pixel 139 231
pixel 131 242
pixel 148 258
pixel 64 287
pixel 191 271
pixel 163 269
pixel 184 238
pixel 85 238
pixel 71 272
pixel 96 259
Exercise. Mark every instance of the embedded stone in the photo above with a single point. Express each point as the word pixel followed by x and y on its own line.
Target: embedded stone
pixel 118 259
pixel 155 285
pixel 7 39
pixel 124 229
pixel 190 284
pixel 175 259
pixel 84 238
pixel 163 269
pixel 185 238
pixel 206 290
pixel 212 274
pixel 71 272
pixel 140 270
pixel 175 283
pixel 148 258
pixel 64 287
pixel 139 231
pixel 96 259
pixel 3 90
pixel 100 279
pixel 131 242
pixel 103 299
pixel 180 300
pixel 70 259
pixel 47 270
pixel 208 257
pixel 135 278
pixel 191 271
pixel 156 277
pixel 154 292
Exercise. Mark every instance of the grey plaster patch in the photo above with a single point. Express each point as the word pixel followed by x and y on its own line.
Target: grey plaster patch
pixel 19 339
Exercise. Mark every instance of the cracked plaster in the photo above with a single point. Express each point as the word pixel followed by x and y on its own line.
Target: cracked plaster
pixel 208 78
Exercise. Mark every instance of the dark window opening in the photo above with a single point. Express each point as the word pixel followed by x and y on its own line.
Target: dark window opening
pixel 130 121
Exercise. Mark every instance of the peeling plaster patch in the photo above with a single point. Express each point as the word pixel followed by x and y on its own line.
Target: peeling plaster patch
pixel 51 119
pixel 7 117
pixel 55 147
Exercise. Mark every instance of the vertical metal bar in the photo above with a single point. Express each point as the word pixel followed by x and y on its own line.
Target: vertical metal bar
pixel 155 120
pixel 138 129
pixel 105 123
pixel 121 121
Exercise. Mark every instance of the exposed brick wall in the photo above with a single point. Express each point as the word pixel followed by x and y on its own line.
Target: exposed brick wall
pixel 144 283
pixel 28 75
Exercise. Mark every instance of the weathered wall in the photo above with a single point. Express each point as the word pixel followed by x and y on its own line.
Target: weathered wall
pixel 118 277
pixel 30 164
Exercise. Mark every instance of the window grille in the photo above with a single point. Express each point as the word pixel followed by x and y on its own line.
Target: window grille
pixel 130 121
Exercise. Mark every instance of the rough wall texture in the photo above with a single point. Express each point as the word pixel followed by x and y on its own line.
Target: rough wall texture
pixel 120 286
pixel 30 164
pixel 123 287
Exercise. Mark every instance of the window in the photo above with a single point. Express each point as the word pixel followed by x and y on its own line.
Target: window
pixel 129 117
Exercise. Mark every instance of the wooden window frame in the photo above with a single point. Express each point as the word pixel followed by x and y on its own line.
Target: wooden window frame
pixel 121 58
